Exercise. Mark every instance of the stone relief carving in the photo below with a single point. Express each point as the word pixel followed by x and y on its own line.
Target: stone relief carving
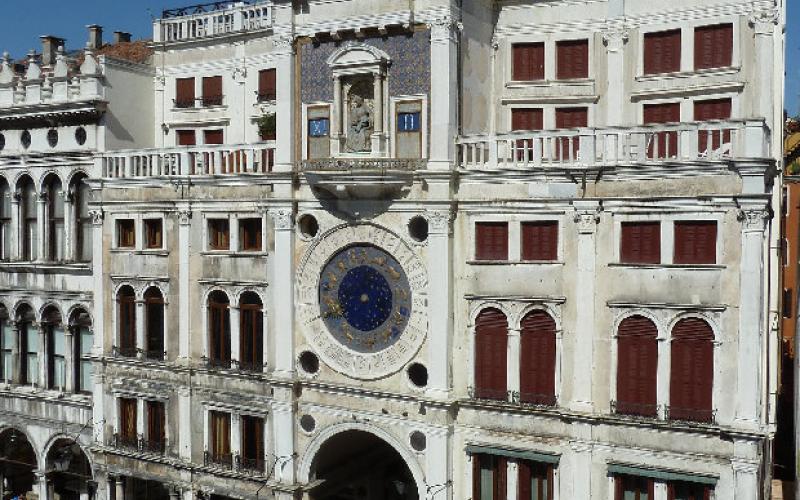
pixel 97 217
pixel 753 219
pixel 615 38
pixel 587 221
pixel 282 219
pixel 360 124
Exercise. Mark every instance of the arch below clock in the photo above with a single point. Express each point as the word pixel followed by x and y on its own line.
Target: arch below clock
pixel 338 448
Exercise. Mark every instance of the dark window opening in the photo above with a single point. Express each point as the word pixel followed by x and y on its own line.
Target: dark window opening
pixel 491 346
pixel 154 323
pixel 535 480
pixel 251 328
pixel 219 330
pixel 153 233
pixel 266 85
pixel 527 61
pixel 489 477
pixel 184 93
pixel 156 427
pixel 640 243
pixel 126 318
pixel 220 435
pixel 219 234
pixel 212 91
pixel 637 361
pixel 250 235
pixel 126 233
pixel 252 443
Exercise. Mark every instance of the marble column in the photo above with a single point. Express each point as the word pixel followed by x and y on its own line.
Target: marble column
pixel 440 329
pixel 41 227
pixel 235 335
pixel 16 228
pixel 69 359
pixel 184 307
pixel 751 310
pixel 444 91
pixel 99 326
pixel 587 216
pixel 336 116
pixel 119 488
pixel 377 118
pixel 70 249
pixel 615 39
pixel 41 485
pixel 184 423
pixel 16 354
pixel 438 463
pixel 140 333
pixel 764 22
pixel 746 484
pixel 283 55
pixel 44 355
pixel 512 360
pixel 283 291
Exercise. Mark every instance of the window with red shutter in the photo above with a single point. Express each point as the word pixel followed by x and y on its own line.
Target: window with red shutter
pixel 537 364
pixel 491 241
pixel 662 52
pixel 572 59
pixel 692 371
pixel 539 240
pixel 713 46
pixel 527 61
pixel 535 480
pixel 682 490
pixel 184 93
pixel 662 144
pixel 637 360
pixel 491 344
pixel 489 477
pixel 633 488
pixel 212 91
pixel 526 119
pixel 708 110
pixel 571 118
pixel 186 137
pixel 266 85
pixel 213 136
pixel 695 242
pixel 640 243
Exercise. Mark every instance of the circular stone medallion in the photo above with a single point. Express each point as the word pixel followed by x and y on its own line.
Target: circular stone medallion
pixel 365 299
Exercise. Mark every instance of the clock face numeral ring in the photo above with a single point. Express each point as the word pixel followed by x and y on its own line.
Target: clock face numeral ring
pixel 364 298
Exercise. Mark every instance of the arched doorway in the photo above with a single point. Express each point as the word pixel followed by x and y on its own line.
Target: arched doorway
pixel 357 465
pixel 68 471
pixel 17 463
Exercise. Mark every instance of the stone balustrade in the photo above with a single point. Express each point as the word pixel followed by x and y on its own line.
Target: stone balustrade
pixel 228 160
pixel 207 20
pixel 587 147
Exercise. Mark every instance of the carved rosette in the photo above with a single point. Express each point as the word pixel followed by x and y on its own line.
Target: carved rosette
pixel 360 365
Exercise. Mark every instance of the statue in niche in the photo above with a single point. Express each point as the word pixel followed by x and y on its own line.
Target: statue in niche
pixel 359 130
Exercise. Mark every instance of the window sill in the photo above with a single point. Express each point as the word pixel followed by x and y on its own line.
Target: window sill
pixel 233 253
pixel 523 84
pixel 515 262
pixel 46 267
pixel 195 109
pixel 699 267
pixel 145 251
pixel 730 70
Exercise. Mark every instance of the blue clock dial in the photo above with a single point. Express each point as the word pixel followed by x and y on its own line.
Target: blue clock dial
pixel 365 298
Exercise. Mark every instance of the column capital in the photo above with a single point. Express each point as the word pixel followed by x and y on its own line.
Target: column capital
pixel 439 221
pixel 587 220
pixel 184 217
pixel 97 217
pixel 283 42
pixel 754 219
pixel 444 29
pixel 763 20
pixel 615 38
pixel 283 218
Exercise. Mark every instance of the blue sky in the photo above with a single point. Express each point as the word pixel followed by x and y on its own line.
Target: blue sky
pixel 26 21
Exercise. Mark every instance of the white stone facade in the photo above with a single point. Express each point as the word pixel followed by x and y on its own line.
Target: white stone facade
pixel 240 221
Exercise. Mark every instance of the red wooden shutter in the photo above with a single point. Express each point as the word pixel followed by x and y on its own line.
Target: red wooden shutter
pixel 662 52
pixel 538 359
pixel 572 58
pixel 713 46
pixel 500 470
pixel 186 137
pixel 212 91
pixel 667 141
pixel 692 371
pixel 540 240
pixel 524 481
pixel 213 136
pixel 715 109
pixel 491 345
pixel 491 241
pixel 640 243
pixel 637 360
pixel 266 85
pixel 476 476
pixel 695 242
pixel 184 92
pixel 569 118
pixel 527 119
pixel 527 61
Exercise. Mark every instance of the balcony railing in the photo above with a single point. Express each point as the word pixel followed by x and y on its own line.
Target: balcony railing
pixel 206 160
pixel 211 19
pixel 140 444
pixel 635 409
pixel 222 460
pixel 124 352
pixel 361 164
pixel 691 415
pixel 580 148
pixel 513 397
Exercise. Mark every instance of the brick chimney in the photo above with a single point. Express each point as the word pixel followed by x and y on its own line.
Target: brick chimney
pixel 50 45
pixel 122 37
pixel 95 36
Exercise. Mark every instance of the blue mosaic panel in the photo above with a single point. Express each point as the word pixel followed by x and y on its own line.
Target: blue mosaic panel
pixel 365 298
pixel 318 127
pixel 408 122
pixel 409 73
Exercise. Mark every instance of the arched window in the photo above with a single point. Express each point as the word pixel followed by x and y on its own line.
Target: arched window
pixel 81 325
pixel 56 349
pixel 29 346
pixel 251 332
pixel 219 330
pixel 126 321
pixel 83 228
pixel 692 371
pixel 491 344
pixel 537 365
pixel 7 342
pixel 637 367
pixel 55 219
pixel 28 219
pixel 154 324
pixel 5 220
